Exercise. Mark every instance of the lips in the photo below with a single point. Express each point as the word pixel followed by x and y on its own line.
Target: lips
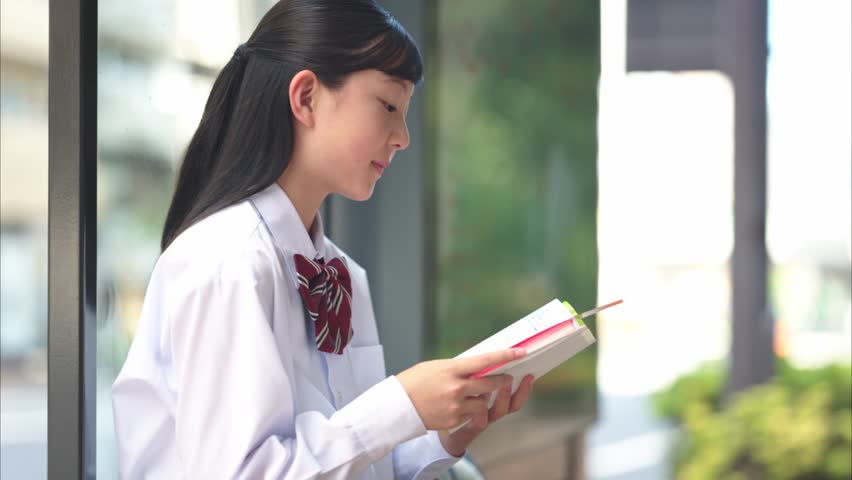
pixel 380 167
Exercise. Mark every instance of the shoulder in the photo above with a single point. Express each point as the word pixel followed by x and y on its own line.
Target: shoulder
pixel 229 244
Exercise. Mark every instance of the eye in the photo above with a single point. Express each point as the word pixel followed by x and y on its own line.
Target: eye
pixel 390 108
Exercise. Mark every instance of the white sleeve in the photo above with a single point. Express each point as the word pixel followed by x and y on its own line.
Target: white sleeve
pixel 423 458
pixel 234 413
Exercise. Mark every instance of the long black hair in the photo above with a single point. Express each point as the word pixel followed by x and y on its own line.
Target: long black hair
pixel 245 138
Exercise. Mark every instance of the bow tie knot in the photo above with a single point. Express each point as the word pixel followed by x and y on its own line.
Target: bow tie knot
pixel 326 291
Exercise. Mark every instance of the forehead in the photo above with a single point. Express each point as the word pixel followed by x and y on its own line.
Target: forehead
pixel 375 79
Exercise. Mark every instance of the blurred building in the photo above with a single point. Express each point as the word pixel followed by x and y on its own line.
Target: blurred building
pixel 23 237
pixel 23 113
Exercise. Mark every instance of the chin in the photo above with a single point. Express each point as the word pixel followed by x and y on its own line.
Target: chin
pixel 359 195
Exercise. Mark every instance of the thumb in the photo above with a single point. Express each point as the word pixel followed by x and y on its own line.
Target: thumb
pixel 469 365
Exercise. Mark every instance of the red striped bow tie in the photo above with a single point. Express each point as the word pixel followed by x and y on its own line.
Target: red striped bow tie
pixel 326 290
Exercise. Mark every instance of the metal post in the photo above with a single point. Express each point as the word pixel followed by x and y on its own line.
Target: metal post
pixel 752 357
pixel 72 190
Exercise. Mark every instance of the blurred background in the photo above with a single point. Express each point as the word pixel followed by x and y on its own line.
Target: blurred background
pixel 556 163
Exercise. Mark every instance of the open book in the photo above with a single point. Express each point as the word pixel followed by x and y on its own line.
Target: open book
pixel 551 335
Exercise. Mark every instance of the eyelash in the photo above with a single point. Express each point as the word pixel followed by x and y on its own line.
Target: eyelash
pixel 390 108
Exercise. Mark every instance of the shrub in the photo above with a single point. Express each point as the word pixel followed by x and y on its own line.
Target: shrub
pixel 797 427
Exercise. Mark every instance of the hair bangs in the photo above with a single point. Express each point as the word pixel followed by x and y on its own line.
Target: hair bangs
pixel 394 53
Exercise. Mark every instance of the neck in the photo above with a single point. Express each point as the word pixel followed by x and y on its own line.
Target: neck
pixel 304 193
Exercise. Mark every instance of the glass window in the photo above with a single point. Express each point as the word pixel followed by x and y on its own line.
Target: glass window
pixel 153 81
pixel 511 97
pixel 23 238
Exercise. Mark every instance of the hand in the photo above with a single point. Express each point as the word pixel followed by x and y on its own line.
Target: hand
pixel 443 393
pixel 457 442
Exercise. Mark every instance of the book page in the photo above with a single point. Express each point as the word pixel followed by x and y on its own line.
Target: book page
pixel 552 313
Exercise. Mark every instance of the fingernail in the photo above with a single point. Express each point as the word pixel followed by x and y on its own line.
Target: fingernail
pixel 520 352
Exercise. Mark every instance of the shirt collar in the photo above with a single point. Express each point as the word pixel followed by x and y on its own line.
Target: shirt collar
pixel 278 212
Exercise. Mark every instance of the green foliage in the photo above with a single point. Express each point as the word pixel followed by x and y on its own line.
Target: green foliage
pixel 837 378
pixel 703 386
pixel 797 427
pixel 511 96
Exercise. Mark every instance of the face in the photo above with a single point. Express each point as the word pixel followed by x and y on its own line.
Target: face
pixel 359 127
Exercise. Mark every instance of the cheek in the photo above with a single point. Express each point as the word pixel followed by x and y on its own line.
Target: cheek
pixel 361 139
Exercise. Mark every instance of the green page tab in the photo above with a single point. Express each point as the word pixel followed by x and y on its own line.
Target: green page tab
pixel 574 312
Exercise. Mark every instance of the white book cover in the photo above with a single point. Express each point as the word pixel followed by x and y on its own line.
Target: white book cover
pixel 551 335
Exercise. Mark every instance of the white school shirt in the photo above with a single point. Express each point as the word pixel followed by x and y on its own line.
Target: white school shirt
pixel 223 379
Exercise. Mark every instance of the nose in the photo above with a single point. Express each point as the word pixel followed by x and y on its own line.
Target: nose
pixel 400 139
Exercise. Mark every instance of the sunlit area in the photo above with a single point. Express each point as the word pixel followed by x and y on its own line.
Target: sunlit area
pixel 666 238
pixel 809 152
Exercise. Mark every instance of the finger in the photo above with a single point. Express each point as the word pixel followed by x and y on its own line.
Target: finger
pixel 479 415
pixel 480 421
pixel 475 405
pixel 520 397
pixel 501 404
pixel 470 365
pixel 479 386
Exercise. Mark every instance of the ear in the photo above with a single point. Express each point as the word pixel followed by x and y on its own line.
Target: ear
pixel 304 90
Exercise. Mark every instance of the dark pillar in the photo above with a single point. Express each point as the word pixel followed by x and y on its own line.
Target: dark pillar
pixel 752 357
pixel 72 226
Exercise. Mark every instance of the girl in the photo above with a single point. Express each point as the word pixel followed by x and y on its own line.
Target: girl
pixel 257 355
